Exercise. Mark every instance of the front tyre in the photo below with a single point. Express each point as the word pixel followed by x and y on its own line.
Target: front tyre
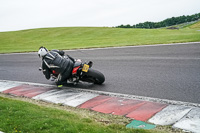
pixel 93 76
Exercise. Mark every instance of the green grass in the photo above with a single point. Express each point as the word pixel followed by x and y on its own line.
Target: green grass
pixel 196 25
pixel 192 24
pixel 23 117
pixel 91 37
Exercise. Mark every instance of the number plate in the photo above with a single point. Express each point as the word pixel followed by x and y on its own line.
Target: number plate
pixel 85 68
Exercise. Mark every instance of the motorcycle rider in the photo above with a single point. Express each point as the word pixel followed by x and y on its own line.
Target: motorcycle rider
pixel 54 60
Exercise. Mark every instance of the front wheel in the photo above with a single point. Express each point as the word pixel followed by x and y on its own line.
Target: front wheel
pixel 93 76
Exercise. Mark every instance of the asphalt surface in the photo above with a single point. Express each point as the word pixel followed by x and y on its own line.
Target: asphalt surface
pixel 165 71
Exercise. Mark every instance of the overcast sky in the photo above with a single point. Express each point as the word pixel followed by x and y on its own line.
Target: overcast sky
pixel 28 14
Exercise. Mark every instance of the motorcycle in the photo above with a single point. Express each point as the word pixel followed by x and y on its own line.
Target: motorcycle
pixel 81 72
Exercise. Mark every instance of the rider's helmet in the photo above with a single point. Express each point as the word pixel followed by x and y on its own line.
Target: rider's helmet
pixel 42 51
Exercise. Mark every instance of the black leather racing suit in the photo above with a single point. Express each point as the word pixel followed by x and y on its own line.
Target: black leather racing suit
pixel 54 60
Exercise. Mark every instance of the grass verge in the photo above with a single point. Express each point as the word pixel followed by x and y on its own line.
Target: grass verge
pixel 19 114
pixel 92 37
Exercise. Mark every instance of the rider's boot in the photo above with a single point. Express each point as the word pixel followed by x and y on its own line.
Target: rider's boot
pixel 90 63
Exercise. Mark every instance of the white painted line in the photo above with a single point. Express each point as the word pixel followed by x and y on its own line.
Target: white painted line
pixel 143 98
pixel 46 94
pixel 126 96
pixel 63 98
pixel 75 97
pixel 120 47
pixel 7 85
pixel 191 122
pixel 137 46
pixel 80 99
pixel 60 96
pixel 170 115
pixel 27 83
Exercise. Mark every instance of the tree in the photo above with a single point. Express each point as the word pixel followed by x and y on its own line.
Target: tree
pixel 167 22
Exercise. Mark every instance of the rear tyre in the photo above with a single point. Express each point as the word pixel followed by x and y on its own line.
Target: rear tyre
pixel 93 76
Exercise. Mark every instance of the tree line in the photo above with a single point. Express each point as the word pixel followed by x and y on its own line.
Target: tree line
pixel 164 23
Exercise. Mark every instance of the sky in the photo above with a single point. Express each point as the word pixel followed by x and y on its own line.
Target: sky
pixel 29 14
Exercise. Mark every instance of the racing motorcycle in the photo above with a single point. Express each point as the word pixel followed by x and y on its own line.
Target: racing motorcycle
pixel 81 72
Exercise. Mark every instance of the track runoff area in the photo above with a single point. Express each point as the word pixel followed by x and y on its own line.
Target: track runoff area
pixel 146 112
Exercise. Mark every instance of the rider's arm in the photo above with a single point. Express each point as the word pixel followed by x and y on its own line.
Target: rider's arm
pixel 60 52
pixel 71 58
pixel 46 70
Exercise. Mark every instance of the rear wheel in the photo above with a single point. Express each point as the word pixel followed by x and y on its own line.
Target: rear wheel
pixel 93 76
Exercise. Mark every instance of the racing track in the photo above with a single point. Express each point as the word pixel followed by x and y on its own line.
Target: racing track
pixel 163 71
